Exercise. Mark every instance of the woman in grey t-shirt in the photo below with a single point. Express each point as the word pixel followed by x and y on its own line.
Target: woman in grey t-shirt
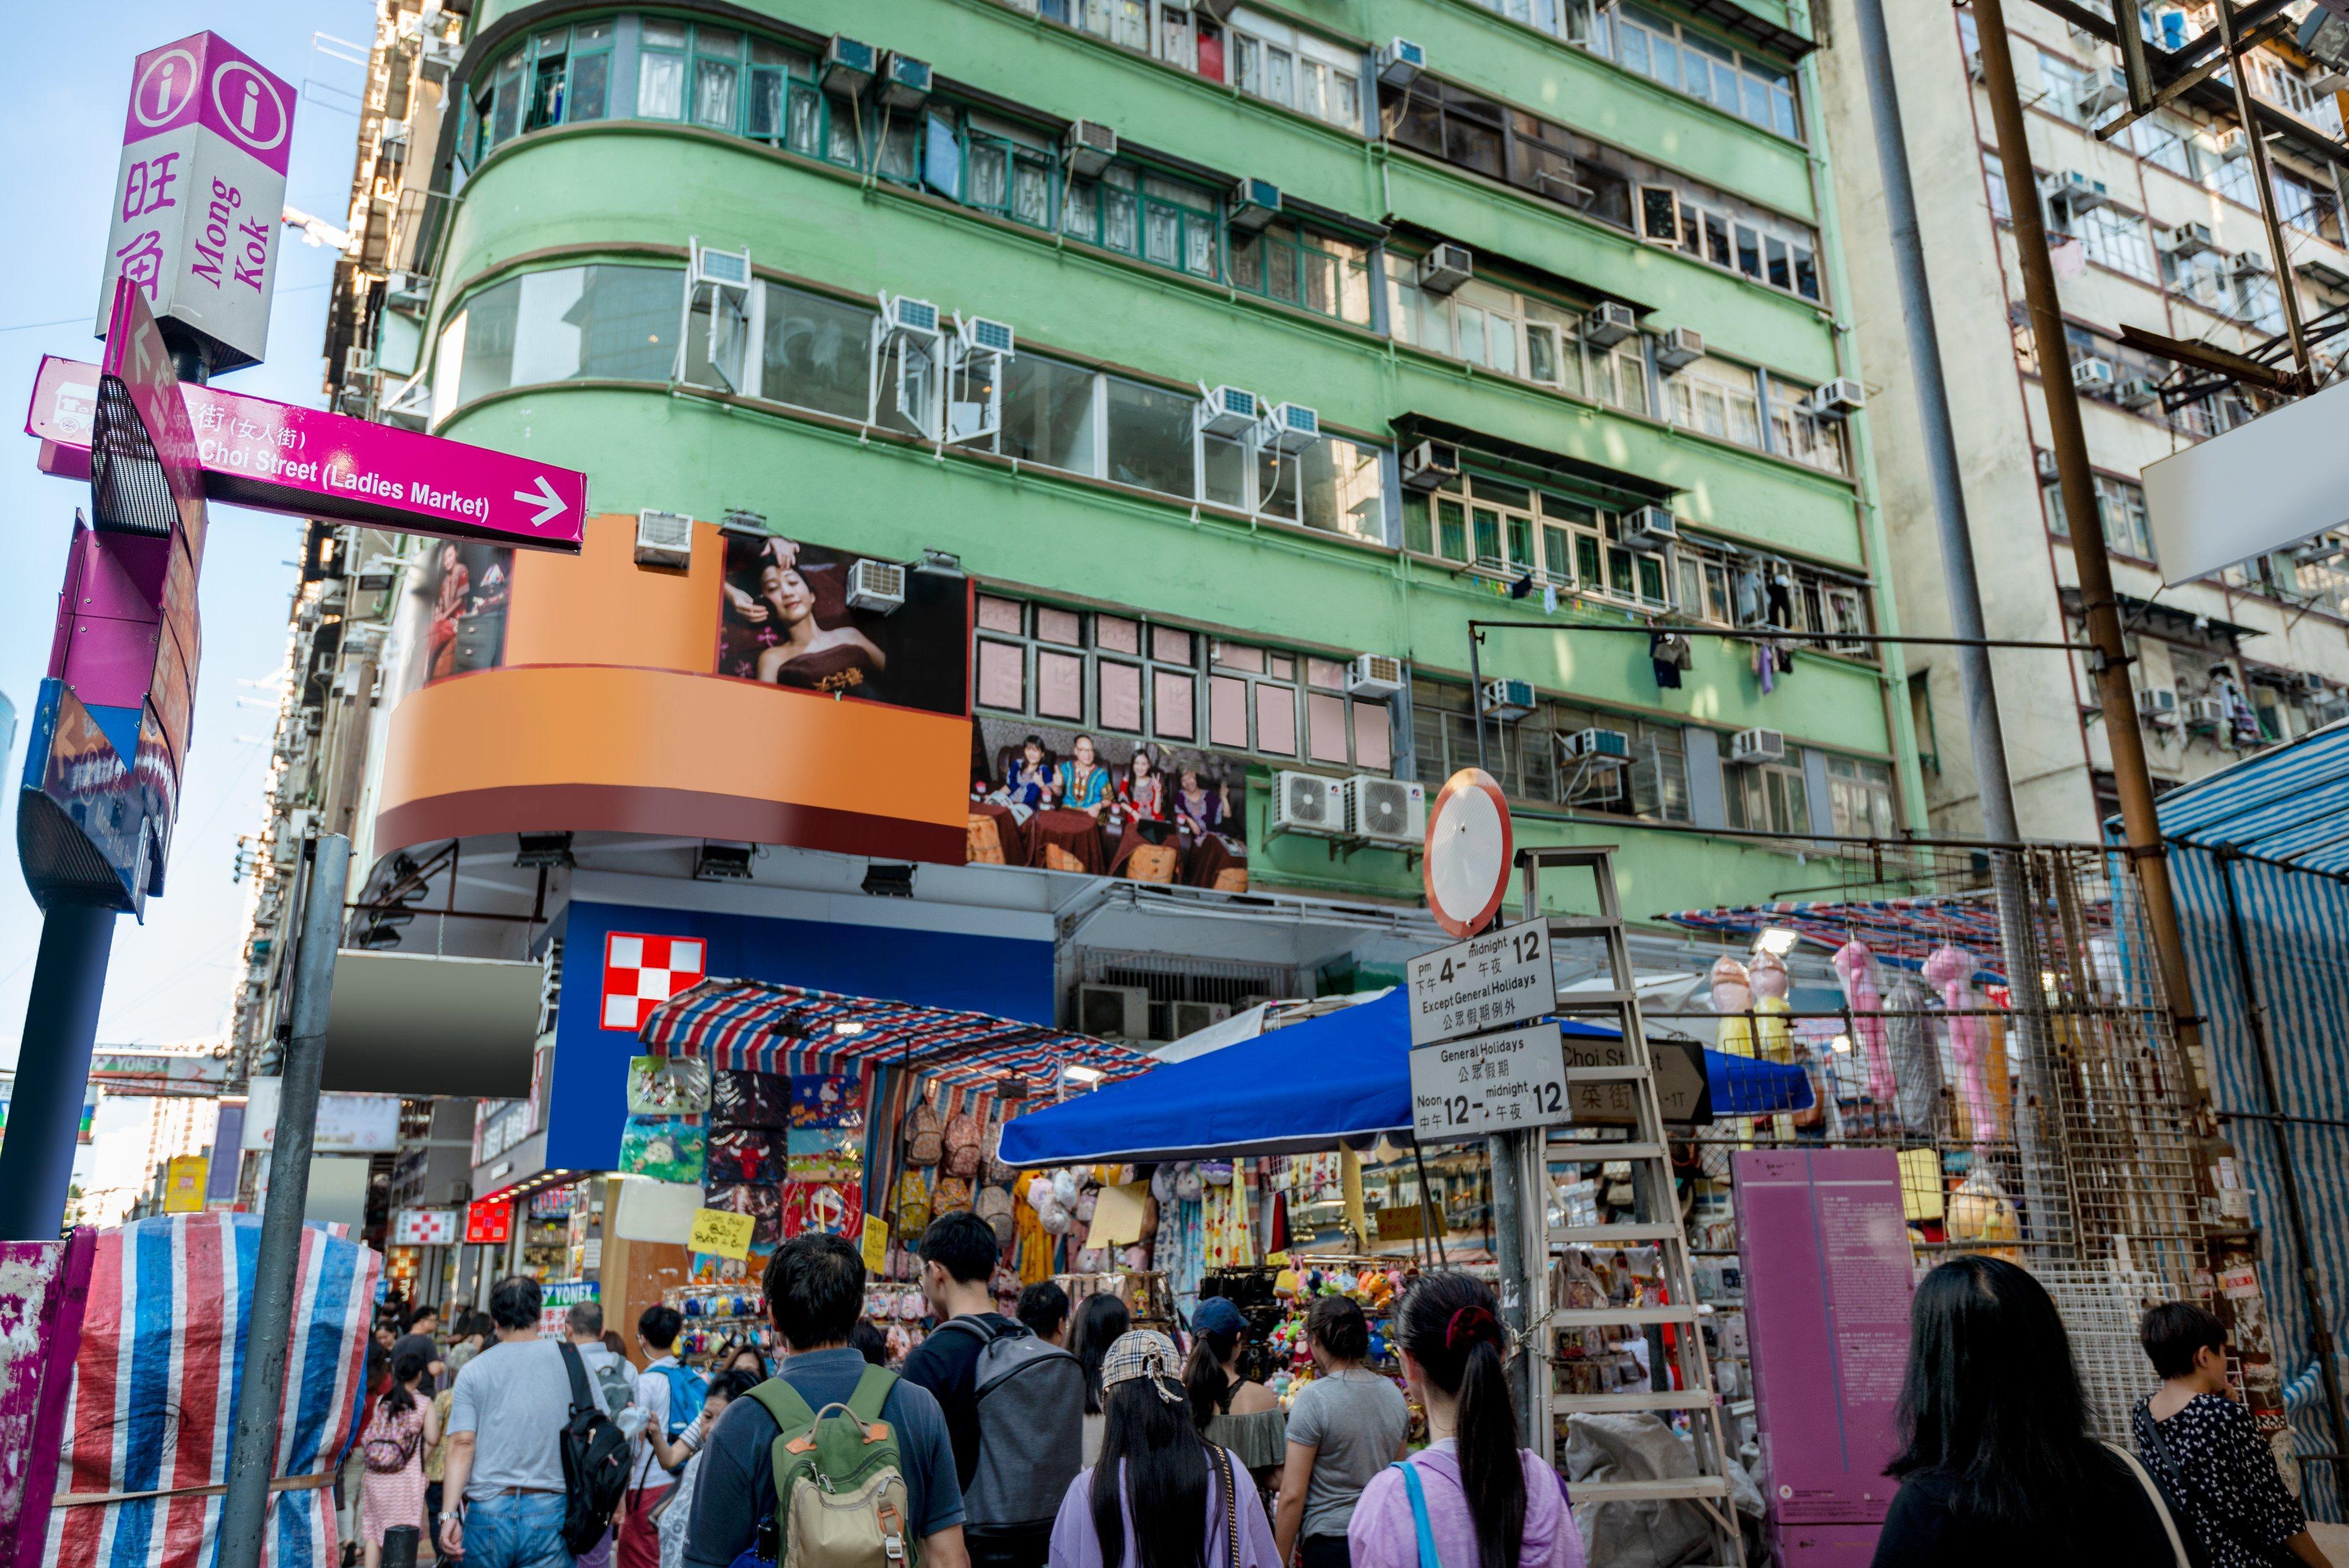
pixel 1345 1426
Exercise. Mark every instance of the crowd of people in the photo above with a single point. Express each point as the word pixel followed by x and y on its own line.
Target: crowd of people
pixel 1072 1439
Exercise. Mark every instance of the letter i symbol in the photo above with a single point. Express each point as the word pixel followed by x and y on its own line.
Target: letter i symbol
pixel 251 104
pixel 163 90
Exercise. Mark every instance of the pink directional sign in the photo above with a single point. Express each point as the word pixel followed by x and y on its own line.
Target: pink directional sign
pixel 281 458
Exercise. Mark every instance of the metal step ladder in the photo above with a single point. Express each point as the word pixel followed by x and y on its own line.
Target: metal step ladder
pixel 1656 1221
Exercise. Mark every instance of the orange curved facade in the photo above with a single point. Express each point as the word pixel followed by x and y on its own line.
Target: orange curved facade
pixel 605 717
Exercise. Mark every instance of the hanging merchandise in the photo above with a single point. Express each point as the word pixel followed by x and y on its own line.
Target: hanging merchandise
pixel 828 1208
pixel 964 1142
pixel 993 1204
pixel 1980 1215
pixel 1916 1064
pixel 668 1086
pixel 992 1169
pixel 911 1205
pixel 1856 968
pixel 926 1141
pixel 751 1099
pixel 1230 1237
pixel 666 1148
pixel 951 1195
pixel 743 1154
pixel 1183 1254
pixel 1951 971
pixel 763 1202
pixel 1033 1247
pixel 825 1154
pixel 827 1100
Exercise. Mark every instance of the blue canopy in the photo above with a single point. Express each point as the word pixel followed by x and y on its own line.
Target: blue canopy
pixel 1344 1078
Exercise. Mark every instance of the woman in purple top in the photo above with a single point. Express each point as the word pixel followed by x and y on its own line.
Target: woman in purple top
pixel 1488 1502
pixel 1175 1503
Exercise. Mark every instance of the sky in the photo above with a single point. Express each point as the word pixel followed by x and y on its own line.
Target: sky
pixel 64 83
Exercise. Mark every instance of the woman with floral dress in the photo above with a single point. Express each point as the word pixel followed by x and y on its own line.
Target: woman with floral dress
pixel 401 1425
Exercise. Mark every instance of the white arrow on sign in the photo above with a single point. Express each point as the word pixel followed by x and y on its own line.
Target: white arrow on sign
pixel 550 505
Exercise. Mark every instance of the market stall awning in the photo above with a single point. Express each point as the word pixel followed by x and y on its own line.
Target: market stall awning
pixel 1898 931
pixel 758 1026
pixel 1344 1078
pixel 2290 804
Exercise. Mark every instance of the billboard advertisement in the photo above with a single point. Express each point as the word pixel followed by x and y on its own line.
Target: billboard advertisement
pixel 470 585
pixel 785 619
pixel 1071 800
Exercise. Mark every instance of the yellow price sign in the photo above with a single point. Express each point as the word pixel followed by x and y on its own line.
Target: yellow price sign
pixel 183 1184
pixel 722 1234
pixel 877 1244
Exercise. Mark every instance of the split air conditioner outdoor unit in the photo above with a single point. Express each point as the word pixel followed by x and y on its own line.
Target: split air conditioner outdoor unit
pixel 2137 393
pixel 1114 1012
pixel 1230 411
pixel 1089 147
pixel 2077 191
pixel 1750 747
pixel 2186 239
pixel 1431 465
pixel 2250 263
pixel 1190 1017
pixel 1292 427
pixel 1400 64
pixel 2208 714
pixel 905 81
pixel 1378 676
pixel 1508 701
pixel 1308 803
pixel 2093 374
pixel 2107 89
pixel 848 66
pixel 1445 268
pixel 1607 748
pixel 877 586
pixel 664 539
pixel 1679 348
pixel 1387 811
pixel 1254 203
pixel 2231 144
pixel 1609 323
pixel 1839 398
pixel 1651 528
pixel 2157 705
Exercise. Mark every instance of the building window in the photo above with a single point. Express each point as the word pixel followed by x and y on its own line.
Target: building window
pixel 602 322
pixel 555 76
pixel 1510 530
pixel 1859 798
pixel 1533 759
pixel 1313 271
pixel 1717 398
pixel 1291 66
pixel 1129 675
pixel 1769 797
pixel 2120 507
pixel 1722 586
pixel 1680 57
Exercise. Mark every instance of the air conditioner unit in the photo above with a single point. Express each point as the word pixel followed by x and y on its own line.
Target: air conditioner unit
pixel 2230 144
pixel 1230 411
pixel 2044 462
pixel 1974 64
pixel 1431 465
pixel 1508 701
pixel 1445 268
pixel 915 317
pixel 1839 398
pixel 2107 89
pixel 1292 427
pixel 847 66
pixel 1400 64
pixel 2185 240
pixel 1609 323
pixel 664 539
pixel 1308 803
pixel 1378 676
pixel 2206 713
pixel 359 362
pixel 1254 203
pixel 2250 263
pixel 1387 811
pixel 877 586
pixel 1089 147
pixel 721 269
pixel 2159 706
pixel 1190 1017
pixel 1610 748
pixel 1651 528
pixel 1750 747
pixel 905 81
pixel 1679 348
pixel 1114 1012
pixel 2077 191
pixel 395 138
pixel 2091 374
pixel 2137 393
pixel 980 334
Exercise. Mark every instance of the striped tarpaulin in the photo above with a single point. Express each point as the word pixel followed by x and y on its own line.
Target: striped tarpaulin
pixel 1899 931
pixel 153 1406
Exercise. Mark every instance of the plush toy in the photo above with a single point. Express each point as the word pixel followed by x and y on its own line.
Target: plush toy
pixel 1285 1282
pixel 1065 1188
pixel 1217 1171
pixel 1036 1191
pixel 1981 1215
pixel 1855 966
pixel 1766 974
pixel 1091 1261
pixel 1135 1259
pixel 1733 997
pixel 1085 1202
pixel 1055 1217
pixel 1951 971
pixel 1162 1182
pixel 1189 1186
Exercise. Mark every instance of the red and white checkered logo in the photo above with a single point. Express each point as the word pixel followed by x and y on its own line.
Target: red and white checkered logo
pixel 641 971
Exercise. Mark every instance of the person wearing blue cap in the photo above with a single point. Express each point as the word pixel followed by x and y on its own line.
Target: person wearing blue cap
pixel 1228 1409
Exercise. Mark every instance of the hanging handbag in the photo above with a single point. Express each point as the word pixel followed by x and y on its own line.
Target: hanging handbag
pixel 1231 1507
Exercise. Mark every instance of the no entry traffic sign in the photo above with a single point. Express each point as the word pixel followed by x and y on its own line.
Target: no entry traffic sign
pixel 282 458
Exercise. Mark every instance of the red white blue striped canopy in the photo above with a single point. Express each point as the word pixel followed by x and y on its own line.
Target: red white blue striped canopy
pixel 758 1026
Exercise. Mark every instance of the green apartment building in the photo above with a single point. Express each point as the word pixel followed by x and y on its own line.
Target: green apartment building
pixel 1221 364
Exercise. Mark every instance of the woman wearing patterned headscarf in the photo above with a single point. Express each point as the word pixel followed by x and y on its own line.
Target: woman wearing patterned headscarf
pixel 1161 1497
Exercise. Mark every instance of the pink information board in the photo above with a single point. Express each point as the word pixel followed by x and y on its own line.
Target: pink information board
pixel 1828 1275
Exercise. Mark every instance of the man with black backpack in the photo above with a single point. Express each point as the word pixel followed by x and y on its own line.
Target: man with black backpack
pixel 1014 1403
pixel 863 1476
pixel 535 1464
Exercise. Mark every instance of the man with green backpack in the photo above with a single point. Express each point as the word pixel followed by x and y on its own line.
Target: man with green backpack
pixel 834 1463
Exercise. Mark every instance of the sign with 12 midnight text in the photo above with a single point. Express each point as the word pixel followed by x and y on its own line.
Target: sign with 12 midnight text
pixel 1505 1082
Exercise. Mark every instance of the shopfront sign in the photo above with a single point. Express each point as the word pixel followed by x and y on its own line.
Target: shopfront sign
pixel 197 195
pixel 1504 1082
pixel 424 1228
pixel 1489 981
pixel 722 1234
pixel 279 457
pixel 488 1222
pixel 347 1124
pixel 183 1184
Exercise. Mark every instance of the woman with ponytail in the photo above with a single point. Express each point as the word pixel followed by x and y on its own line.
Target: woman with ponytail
pixel 1472 1496
pixel 1229 1408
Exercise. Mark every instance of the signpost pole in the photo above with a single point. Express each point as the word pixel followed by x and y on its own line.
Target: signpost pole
pixel 53 1070
pixel 253 1460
